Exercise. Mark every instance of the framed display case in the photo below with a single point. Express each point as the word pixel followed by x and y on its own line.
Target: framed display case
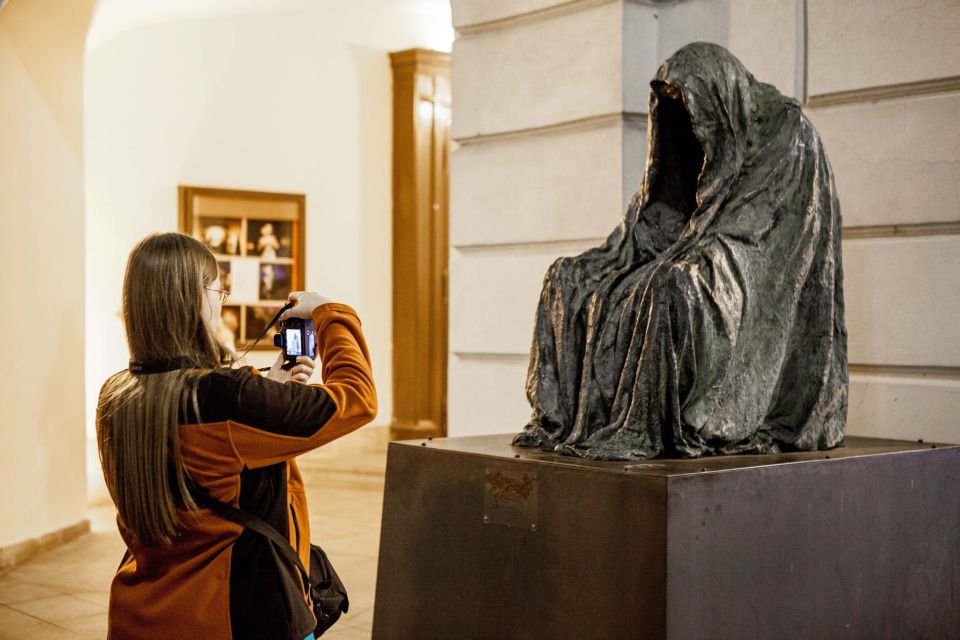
pixel 258 240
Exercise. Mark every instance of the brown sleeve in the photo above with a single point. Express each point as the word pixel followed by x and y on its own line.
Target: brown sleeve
pixel 347 382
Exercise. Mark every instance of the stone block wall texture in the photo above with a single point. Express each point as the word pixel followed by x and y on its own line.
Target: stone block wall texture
pixel 549 107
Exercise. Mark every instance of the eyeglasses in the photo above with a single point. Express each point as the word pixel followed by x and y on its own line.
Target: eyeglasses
pixel 223 294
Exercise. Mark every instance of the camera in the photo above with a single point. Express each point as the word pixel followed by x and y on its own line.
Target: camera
pixel 296 338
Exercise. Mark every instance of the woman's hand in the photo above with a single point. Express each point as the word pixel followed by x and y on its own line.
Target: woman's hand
pixel 300 372
pixel 306 302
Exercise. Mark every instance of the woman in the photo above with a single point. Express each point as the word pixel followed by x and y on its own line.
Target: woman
pixel 711 321
pixel 181 415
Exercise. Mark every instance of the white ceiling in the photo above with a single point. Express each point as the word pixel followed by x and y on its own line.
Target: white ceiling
pixel 113 17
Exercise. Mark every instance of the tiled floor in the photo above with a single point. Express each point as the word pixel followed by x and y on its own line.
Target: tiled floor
pixel 63 593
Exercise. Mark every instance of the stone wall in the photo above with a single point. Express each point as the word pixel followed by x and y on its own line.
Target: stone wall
pixel 550 103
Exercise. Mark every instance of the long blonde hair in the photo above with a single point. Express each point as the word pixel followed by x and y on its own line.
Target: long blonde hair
pixel 138 413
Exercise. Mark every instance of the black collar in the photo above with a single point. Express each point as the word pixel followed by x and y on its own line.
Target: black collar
pixel 162 366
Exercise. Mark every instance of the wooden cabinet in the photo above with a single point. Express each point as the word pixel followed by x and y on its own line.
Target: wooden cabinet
pixel 421 146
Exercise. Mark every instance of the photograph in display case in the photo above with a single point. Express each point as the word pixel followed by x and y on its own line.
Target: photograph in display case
pixel 258 240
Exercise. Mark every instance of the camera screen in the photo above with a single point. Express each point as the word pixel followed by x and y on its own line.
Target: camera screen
pixel 294 348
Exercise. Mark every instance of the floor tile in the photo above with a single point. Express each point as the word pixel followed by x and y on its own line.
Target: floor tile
pixel 101 598
pixel 56 609
pixel 15 625
pixel 12 591
pixel 346 633
pixel 92 626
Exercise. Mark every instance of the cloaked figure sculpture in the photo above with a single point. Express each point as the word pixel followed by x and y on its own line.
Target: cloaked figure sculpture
pixel 711 320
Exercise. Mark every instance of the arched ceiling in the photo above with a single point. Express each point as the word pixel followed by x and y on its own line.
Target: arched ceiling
pixel 113 17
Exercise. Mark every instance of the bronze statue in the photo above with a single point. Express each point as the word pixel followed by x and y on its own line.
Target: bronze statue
pixel 711 320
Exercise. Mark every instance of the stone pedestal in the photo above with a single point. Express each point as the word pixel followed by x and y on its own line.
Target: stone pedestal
pixel 484 540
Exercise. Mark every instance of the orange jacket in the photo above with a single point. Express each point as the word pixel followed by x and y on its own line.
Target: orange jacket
pixel 183 590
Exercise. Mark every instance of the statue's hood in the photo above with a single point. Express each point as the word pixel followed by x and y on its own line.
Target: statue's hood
pixel 711 123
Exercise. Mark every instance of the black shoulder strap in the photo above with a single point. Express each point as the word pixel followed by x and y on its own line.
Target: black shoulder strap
pixel 250 521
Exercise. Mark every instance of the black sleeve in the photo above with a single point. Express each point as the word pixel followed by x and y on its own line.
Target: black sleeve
pixel 289 409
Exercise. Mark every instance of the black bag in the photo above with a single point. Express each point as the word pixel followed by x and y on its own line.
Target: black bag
pixel 328 596
pixel 327 592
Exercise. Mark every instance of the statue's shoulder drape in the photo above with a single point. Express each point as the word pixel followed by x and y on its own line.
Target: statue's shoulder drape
pixel 711 320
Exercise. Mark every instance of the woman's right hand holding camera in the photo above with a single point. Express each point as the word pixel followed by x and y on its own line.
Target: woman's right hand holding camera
pixel 305 303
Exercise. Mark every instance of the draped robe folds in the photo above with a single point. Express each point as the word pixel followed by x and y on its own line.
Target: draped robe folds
pixel 711 319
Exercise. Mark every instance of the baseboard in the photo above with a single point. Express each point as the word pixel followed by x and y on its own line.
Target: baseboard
pixel 15 554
